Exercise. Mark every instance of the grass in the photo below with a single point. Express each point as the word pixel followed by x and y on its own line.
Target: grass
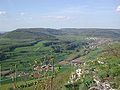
pixel 60 79
pixel 94 53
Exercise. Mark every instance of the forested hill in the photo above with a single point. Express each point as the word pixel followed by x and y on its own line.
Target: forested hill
pixel 95 32
pixel 32 33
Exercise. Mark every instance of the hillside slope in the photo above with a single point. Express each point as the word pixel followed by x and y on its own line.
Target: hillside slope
pixel 32 33
pixel 94 32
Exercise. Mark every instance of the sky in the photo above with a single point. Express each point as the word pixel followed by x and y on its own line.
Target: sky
pixel 59 14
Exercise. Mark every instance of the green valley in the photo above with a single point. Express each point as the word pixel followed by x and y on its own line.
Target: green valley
pixel 60 59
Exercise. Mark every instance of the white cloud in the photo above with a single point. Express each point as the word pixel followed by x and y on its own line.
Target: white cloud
pixel 22 14
pixel 62 17
pixel 118 9
pixel 57 17
pixel 2 12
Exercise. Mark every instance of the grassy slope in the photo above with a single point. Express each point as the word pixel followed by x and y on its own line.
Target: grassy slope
pixel 60 79
pixel 30 54
pixel 109 68
pixel 32 33
pixel 24 56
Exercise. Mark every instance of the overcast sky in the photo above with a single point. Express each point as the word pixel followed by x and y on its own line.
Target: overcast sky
pixel 59 14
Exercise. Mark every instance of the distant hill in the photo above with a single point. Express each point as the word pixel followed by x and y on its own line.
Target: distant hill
pixel 1 32
pixel 111 33
pixel 47 33
pixel 32 33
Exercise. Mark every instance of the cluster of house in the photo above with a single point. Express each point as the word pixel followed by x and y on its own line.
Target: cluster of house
pixel 38 69
pixel 44 68
pixel 98 41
